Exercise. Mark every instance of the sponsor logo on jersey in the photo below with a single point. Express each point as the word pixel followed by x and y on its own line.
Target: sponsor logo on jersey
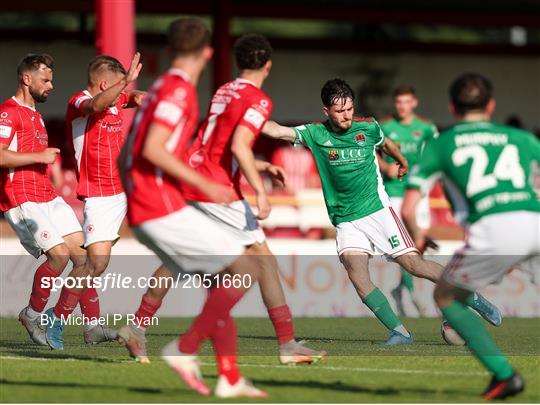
pixel 113 110
pixel 5 131
pixel 328 143
pixel 417 134
pixel 333 154
pixel 360 139
pixel 393 135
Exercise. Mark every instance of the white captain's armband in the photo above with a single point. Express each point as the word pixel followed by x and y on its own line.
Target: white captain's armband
pixel 168 112
pixel 254 117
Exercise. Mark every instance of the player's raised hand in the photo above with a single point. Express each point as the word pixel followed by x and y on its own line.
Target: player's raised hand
pixel 263 206
pixel 134 68
pixel 278 174
pixel 48 156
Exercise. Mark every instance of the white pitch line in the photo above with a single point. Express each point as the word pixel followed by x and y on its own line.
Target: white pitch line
pixel 281 367
pixel 356 369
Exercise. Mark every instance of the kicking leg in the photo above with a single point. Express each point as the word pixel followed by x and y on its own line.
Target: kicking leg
pixel 356 264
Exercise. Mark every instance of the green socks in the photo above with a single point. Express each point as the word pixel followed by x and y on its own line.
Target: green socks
pixel 377 302
pixel 407 280
pixel 471 329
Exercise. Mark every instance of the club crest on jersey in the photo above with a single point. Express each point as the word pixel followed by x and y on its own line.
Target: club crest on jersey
pixel 416 134
pixel 44 235
pixel 90 228
pixel 333 155
pixel 197 158
pixel 360 139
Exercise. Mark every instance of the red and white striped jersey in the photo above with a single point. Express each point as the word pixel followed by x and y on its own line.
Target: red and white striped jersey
pixel 22 128
pixel 97 140
pixel 239 102
pixel 171 102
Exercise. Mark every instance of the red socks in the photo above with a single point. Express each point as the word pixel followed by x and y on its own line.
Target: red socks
pixel 147 310
pixel 225 346
pixel 66 304
pixel 219 303
pixel 281 318
pixel 40 295
pixel 89 302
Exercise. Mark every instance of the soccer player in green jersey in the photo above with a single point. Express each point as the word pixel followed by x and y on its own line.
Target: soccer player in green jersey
pixel 486 170
pixel 358 206
pixel 409 132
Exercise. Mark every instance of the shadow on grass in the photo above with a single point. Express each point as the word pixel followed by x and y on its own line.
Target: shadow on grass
pixel 55 355
pixel 78 385
pixel 342 387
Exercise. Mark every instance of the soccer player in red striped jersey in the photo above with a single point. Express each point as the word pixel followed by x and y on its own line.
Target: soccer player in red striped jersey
pixel 183 238
pixel 42 220
pixel 222 150
pixel 95 126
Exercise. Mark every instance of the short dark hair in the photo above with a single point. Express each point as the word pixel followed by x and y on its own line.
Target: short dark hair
pixel 336 90
pixel 403 89
pixel 470 92
pixel 104 63
pixel 32 62
pixel 187 36
pixel 252 51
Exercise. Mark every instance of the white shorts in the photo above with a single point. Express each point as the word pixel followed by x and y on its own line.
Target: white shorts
pixel 103 217
pixel 236 218
pixel 42 226
pixel 379 233
pixel 423 215
pixel 188 241
pixel 495 245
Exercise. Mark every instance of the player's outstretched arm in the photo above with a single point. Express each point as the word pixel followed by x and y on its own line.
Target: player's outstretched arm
pixel 273 130
pixel 11 159
pixel 104 99
pixel 241 149
pixel 391 149
pixel 155 151
pixel 136 98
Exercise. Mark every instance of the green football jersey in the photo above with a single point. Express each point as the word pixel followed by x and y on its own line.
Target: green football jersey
pixel 486 169
pixel 350 177
pixel 411 140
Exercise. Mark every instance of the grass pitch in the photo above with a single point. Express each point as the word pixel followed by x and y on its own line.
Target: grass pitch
pixel 357 370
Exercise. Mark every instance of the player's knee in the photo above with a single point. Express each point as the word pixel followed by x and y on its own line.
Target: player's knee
pixel 98 264
pixel 58 257
pixel 443 295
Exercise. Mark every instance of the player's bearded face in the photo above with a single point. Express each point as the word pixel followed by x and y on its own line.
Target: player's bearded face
pixel 41 85
pixel 341 114
pixel 405 105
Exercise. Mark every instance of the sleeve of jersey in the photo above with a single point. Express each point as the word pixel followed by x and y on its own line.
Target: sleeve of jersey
pixel 433 132
pixel 380 134
pixel 256 115
pixel 124 99
pixel 424 174
pixel 8 126
pixel 303 135
pixel 168 113
pixel 77 103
